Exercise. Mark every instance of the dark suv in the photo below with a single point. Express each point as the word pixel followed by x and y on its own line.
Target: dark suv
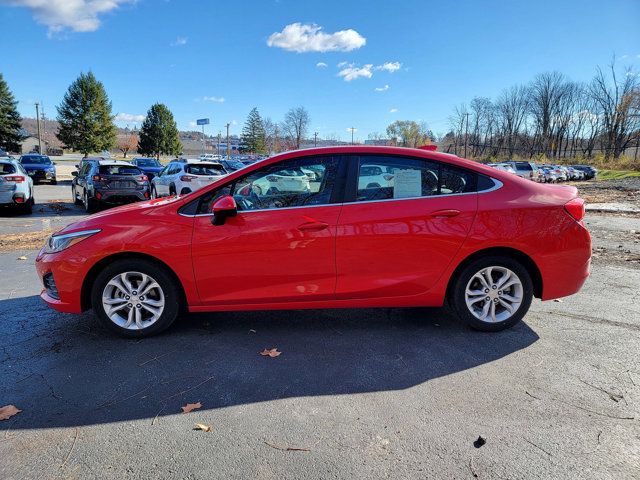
pixel 108 182
pixel 39 167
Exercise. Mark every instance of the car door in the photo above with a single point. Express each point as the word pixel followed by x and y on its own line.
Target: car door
pixel 397 240
pixel 162 185
pixel 81 179
pixel 279 247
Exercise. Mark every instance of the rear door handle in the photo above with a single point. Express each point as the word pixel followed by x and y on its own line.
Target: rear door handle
pixel 313 226
pixel 444 213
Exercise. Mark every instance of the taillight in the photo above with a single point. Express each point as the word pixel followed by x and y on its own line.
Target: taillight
pixel 187 178
pixel 575 208
pixel 143 178
pixel 15 178
pixel 97 178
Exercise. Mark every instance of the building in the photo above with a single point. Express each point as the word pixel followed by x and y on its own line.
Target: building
pixel 30 145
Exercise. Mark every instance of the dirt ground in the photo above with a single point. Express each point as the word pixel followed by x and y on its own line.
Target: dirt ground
pixel 626 190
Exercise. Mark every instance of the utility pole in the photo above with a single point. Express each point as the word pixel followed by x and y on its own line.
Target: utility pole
pixel 219 135
pixel 38 121
pixel 315 139
pixel 466 134
pixel 353 129
pixel 228 146
pixel 203 145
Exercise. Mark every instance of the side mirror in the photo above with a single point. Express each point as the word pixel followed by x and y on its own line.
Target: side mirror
pixel 78 166
pixel 222 208
pixel 74 174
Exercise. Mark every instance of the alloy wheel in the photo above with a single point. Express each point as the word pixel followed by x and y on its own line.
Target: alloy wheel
pixel 494 294
pixel 133 300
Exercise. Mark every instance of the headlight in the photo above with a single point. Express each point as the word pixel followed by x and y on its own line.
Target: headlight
pixel 57 243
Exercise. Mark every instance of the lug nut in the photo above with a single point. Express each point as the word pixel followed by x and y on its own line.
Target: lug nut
pixel 130 305
pixel 141 298
pixel 486 290
pixel 487 299
pixel 138 306
pixel 127 297
pixel 492 286
pixel 495 300
pixel 499 292
pixel 135 293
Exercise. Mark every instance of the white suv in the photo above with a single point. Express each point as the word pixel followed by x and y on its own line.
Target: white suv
pixel 16 186
pixel 185 176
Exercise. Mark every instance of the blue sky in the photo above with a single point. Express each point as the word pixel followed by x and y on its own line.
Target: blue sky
pixel 219 59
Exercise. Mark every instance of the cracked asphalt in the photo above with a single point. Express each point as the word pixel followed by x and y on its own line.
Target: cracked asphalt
pixel 387 393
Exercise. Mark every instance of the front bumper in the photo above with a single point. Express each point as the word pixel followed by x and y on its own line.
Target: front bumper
pixel 42 175
pixel 65 273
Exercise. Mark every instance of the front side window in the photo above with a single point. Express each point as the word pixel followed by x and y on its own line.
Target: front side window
pixel 293 183
pixel 391 177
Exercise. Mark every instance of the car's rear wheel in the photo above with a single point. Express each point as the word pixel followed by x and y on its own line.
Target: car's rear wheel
pixel 89 203
pixel 492 293
pixel 135 298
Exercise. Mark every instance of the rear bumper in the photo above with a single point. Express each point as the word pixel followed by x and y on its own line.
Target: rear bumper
pixel 119 197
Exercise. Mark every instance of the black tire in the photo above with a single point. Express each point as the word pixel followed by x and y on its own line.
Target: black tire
pixel 185 191
pixel 457 297
pixel 89 203
pixel 170 290
pixel 27 208
pixel 74 194
pixel 172 190
pixel 54 182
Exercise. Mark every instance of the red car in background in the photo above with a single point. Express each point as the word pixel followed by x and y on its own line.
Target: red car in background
pixel 438 228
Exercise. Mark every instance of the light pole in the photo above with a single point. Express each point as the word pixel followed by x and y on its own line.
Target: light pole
pixel 219 135
pixel 315 139
pixel 228 155
pixel 38 122
pixel 353 129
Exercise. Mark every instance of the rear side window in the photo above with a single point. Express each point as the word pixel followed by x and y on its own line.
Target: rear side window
pixel 119 170
pixel 391 177
pixel 7 169
pixel 206 169
pixel 523 166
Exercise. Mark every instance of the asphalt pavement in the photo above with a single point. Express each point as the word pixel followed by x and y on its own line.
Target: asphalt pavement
pixel 362 393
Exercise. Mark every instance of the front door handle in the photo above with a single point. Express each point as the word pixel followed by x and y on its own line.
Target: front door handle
pixel 444 213
pixel 313 226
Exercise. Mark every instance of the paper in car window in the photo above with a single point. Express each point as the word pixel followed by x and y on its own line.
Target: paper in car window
pixel 407 183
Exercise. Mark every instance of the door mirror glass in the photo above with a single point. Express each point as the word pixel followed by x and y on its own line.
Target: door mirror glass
pixel 74 174
pixel 222 208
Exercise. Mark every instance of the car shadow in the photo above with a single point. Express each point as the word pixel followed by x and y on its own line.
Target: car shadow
pixel 66 370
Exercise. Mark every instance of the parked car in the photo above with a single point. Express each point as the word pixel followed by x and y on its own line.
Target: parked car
pixel 108 182
pixel 589 171
pixel 505 167
pixel 559 174
pixel 39 167
pixel 16 187
pixel 150 166
pixel 231 165
pixel 574 173
pixel 524 169
pixel 184 176
pixel 210 157
pixel 416 244
pixel 549 174
pixel 374 176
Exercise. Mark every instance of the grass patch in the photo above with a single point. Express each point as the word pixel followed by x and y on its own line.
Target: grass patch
pixel 616 174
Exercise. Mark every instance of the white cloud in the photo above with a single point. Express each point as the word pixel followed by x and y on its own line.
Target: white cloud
pixel 77 15
pixel 129 117
pixel 321 65
pixel 213 99
pixel 179 42
pixel 304 37
pixel 352 72
pixel 342 64
pixel 393 110
pixel 624 56
pixel 390 66
pixel 382 89
pixel 193 124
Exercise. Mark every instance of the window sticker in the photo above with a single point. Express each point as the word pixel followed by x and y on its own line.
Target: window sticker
pixel 407 183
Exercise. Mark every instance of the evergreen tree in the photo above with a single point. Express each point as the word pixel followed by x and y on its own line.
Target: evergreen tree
pixel 253 133
pixel 86 123
pixel 10 136
pixel 159 133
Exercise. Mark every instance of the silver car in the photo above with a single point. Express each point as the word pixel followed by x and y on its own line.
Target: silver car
pixel 16 186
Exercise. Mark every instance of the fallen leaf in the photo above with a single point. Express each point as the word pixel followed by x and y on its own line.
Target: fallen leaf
pixel 270 353
pixel 479 442
pixel 191 406
pixel 559 300
pixel 203 427
pixel 23 257
pixel 8 411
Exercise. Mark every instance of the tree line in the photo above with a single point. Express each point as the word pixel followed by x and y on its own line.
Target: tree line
pixel 551 116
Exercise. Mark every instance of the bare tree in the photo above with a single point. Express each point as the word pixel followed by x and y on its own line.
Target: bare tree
pixel 296 125
pixel 127 143
pixel 618 107
pixel 511 110
pixel 271 135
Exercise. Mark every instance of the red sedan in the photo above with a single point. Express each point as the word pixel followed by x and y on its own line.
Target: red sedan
pixel 369 227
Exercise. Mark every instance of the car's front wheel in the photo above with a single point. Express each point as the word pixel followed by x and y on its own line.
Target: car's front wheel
pixel 135 298
pixel 492 293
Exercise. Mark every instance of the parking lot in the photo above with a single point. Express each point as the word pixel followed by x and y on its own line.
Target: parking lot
pixel 387 393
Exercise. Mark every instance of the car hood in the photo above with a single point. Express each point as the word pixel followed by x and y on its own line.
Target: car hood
pixel 123 215
pixel 151 169
pixel 36 166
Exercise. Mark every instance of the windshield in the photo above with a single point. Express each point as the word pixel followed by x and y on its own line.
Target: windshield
pixel 206 169
pixel 35 160
pixel 148 162
pixel 119 170
pixel 235 164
